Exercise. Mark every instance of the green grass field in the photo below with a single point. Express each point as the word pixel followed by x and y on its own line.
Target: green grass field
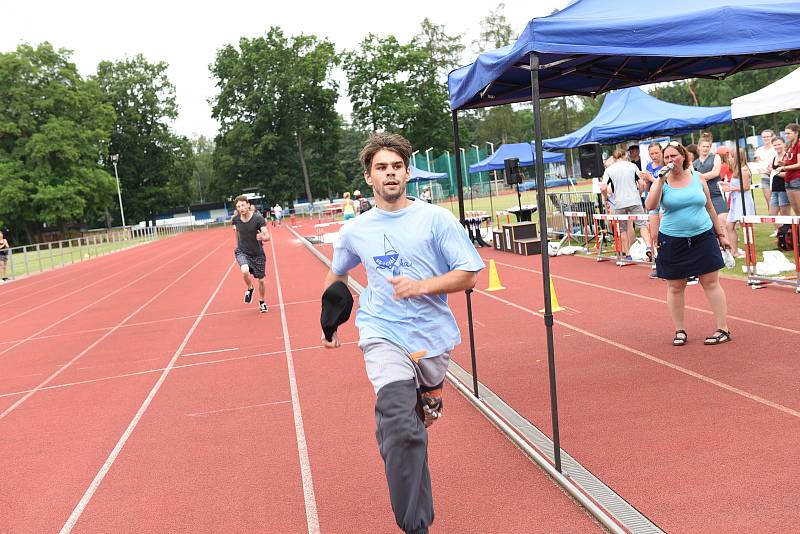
pixel 33 261
pixel 508 199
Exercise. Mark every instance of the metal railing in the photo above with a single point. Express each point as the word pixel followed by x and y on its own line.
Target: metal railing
pixel 30 259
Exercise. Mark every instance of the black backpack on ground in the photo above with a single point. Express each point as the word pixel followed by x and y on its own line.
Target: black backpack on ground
pixel 785 238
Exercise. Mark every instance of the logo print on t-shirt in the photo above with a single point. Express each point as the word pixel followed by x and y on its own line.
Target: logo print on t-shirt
pixel 390 260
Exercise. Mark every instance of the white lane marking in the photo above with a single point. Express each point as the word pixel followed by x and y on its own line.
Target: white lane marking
pixel 652 299
pixel 101 338
pixel 82 288
pixel 107 295
pixel 101 474
pixel 312 518
pixel 209 352
pixel 225 410
pixel 655 359
pixel 158 370
pixel 154 321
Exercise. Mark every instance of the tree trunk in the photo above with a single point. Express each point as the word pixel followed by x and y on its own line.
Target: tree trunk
pixel 306 180
pixel 108 219
pixel 691 92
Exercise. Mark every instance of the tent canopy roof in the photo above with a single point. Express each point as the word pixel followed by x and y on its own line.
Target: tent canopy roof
pixel 521 151
pixel 419 175
pixel 590 47
pixel 782 95
pixel 632 114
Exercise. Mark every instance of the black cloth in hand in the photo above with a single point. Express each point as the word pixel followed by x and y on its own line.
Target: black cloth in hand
pixel 337 303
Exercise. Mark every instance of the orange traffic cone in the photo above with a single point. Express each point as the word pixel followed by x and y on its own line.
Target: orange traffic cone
pixel 494 279
pixel 553 299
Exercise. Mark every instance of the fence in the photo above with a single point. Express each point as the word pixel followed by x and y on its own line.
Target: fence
pixel 30 259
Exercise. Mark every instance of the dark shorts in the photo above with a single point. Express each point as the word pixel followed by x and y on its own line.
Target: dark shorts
pixel 257 264
pixel 682 257
pixel 720 205
pixel 794 185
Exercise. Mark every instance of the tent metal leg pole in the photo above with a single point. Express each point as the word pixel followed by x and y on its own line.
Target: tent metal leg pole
pixel 461 217
pixel 542 204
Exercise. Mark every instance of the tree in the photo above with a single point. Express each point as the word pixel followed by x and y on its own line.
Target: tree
pixel 276 106
pixel 154 164
pixel 495 32
pixel 54 128
pixel 205 184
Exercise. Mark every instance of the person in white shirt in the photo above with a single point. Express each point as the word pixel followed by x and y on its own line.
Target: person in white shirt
pixel 621 179
pixel 764 156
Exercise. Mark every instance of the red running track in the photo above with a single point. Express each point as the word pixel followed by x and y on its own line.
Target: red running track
pixel 165 404
pixel 699 439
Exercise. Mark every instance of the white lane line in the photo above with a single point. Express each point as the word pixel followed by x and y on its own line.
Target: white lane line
pixel 651 299
pixel 48 302
pixel 101 338
pixel 210 352
pixel 312 519
pixel 101 474
pixel 148 371
pixel 107 295
pixel 225 410
pixel 655 359
pixel 154 321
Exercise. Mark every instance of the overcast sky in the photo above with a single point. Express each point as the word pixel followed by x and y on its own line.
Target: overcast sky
pixel 187 35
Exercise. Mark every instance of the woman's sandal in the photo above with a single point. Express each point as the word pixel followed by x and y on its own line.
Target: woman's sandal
pixel 720 336
pixel 680 338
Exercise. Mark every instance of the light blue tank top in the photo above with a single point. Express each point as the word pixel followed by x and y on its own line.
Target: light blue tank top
pixel 685 213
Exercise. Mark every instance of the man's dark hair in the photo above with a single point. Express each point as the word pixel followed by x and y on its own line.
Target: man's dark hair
pixel 241 198
pixel 384 141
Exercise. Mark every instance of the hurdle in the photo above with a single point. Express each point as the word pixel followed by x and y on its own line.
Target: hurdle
pixel 583 220
pixel 613 222
pixel 754 280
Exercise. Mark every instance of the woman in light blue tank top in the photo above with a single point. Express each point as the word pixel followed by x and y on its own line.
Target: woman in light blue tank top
pixel 689 241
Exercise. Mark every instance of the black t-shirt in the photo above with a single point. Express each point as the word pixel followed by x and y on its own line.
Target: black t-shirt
pixel 778 184
pixel 246 233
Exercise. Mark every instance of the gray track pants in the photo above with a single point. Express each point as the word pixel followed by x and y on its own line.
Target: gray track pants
pixel 402 437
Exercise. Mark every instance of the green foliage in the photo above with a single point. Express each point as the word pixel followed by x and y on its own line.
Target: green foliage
pixel 155 165
pixel 496 32
pixel 701 92
pixel 54 128
pixel 276 105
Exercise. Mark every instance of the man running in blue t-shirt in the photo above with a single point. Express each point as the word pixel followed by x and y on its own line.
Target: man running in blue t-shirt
pixel 414 254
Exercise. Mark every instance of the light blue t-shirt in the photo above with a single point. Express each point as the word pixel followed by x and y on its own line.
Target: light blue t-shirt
pixel 420 241
pixel 685 213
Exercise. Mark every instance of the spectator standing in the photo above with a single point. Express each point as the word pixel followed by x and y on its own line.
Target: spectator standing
pixel 634 156
pixel 791 166
pixel 763 159
pixel 779 200
pixel 737 189
pixel 621 178
pixel 709 165
pixel 4 251
pixel 362 204
pixel 348 207
pixel 277 212
pixel 426 194
pixel 689 242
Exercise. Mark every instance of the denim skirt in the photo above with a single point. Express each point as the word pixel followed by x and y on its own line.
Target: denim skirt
pixel 682 257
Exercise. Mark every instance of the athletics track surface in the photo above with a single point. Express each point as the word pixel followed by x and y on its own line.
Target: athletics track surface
pixel 138 394
pixel 699 439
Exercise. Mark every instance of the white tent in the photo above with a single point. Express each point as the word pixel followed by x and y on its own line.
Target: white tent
pixel 782 95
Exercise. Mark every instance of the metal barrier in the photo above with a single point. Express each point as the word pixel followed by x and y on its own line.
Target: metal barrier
pixel 29 259
pixel 614 221
pixel 559 204
pixel 753 278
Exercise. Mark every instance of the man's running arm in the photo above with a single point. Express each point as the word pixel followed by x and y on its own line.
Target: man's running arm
pixel 452 282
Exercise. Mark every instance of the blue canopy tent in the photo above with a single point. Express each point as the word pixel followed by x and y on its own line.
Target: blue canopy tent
pixel 418 175
pixel 632 114
pixel 522 151
pixel 589 48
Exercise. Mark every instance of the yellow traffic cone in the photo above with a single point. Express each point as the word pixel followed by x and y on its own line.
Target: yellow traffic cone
pixel 494 280
pixel 553 299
